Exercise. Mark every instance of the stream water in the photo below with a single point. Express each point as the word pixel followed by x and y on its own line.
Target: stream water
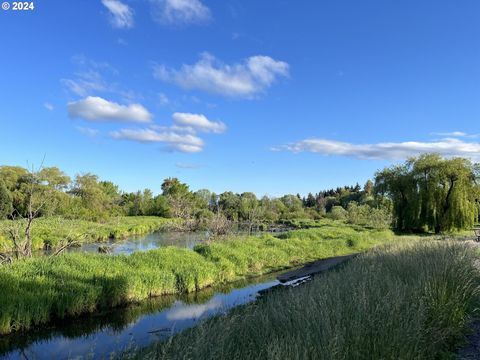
pixel 101 335
pixel 146 242
pixel 97 336
pixel 149 242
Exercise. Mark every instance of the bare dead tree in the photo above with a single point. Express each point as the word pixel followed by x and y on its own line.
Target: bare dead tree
pixel 20 229
pixel 253 218
pixel 34 206
pixel 219 225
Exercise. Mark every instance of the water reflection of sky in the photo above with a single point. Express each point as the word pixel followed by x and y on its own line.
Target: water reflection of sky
pixel 143 331
pixel 147 242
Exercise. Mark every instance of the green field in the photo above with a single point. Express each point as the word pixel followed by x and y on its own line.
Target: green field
pixel 409 300
pixel 55 231
pixel 38 290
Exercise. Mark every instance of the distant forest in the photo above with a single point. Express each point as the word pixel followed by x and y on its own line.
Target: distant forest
pixel 427 193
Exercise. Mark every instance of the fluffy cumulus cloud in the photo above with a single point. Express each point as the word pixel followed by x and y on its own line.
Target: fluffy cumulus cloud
pixel 386 151
pixel 198 122
pixel 94 108
pixel 181 136
pixel 187 143
pixel 244 80
pixel 180 12
pixel 121 15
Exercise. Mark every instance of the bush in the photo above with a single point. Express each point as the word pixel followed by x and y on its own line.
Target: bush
pixel 365 215
pixel 337 213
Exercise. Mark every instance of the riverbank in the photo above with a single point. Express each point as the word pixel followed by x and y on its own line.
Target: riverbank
pixel 404 301
pixel 37 291
pixel 52 232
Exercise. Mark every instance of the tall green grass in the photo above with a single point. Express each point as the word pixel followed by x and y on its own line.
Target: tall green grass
pixel 36 291
pixel 408 301
pixel 54 231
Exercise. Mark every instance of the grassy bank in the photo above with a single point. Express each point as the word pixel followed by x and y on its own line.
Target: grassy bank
pixel 54 231
pixel 36 291
pixel 408 301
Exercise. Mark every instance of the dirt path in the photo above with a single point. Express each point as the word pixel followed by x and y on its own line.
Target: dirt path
pixel 313 268
pixel 471 349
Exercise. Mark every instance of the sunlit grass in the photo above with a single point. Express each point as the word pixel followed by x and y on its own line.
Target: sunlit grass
pixel 407 301
pixel 35 291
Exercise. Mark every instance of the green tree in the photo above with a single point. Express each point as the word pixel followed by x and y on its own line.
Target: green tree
pixel 6 206
pixel 430 193
pixel 54 177
pixel 181 201
pixel 97 199
pixel 293 207
pixel 229 204
pixel 160 207
pixel 249 210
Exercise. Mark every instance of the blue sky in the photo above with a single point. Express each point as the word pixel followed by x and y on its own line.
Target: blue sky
pixel 267 96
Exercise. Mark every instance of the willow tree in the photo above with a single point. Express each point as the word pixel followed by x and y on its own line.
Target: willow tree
pixel 430 193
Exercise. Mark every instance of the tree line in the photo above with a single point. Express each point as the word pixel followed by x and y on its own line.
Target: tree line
pixel 87 197
pixel 427 193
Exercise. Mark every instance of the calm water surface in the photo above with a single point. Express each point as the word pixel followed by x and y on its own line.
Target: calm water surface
pixel 98 336
pixel 146 242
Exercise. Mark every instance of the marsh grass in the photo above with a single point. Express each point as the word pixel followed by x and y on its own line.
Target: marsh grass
pixel 403 301
pixel 54 231
pixel 36 291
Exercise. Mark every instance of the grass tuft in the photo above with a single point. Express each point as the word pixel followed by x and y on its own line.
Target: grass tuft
pixel 402 301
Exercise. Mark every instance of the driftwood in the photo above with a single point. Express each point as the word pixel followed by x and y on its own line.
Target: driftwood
pixel 5 259
pixel 64 247
pixel 104 249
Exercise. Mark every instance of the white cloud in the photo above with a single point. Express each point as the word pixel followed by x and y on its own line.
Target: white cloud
pixel 451 134
pixel 94 78
pixel 187 166
pixel 88 131
pixel 48 106
pixel 253 76
pixel 180 12
pixel 121 15
pixel 95 108
pixel 86 83
pixel 163 99
pixel 180 136
pixel 198 122
pixel 456 134
pixel 177 142
pixel 387 151
pixel 185 312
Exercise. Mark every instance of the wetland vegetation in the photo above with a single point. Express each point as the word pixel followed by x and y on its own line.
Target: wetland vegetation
pixel 407 300
pixel 406 274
